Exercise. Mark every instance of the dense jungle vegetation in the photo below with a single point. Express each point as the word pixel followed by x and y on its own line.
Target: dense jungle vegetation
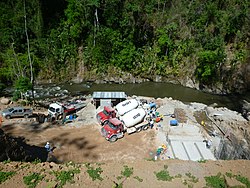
pixel 207 41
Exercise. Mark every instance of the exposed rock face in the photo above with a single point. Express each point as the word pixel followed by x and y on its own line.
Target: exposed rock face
pixel 235 149
pixel 236 143
pixel 246 109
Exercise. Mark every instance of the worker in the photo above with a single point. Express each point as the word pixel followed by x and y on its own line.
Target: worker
pixel 47 147
pixel 151 123
pixel 209 143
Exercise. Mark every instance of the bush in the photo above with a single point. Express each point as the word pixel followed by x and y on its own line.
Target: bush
pixel 5 175
pixel 32 180
pixel 217 181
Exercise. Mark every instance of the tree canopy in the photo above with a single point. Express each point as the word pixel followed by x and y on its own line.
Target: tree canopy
pixel 146 38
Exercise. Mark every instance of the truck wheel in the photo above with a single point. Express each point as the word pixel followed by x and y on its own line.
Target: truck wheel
pixel 60 117
pixel 145 128
pixel 113 139
pixel 105 122
pixel 139 129
pixel 7 117
pixel 26 116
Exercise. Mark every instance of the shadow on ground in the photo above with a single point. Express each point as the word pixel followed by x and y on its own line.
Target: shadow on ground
pixel 16 149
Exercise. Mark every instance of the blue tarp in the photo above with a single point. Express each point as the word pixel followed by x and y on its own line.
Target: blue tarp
pixel 173 122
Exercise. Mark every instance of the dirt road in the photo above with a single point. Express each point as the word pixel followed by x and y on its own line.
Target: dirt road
pixel 84 143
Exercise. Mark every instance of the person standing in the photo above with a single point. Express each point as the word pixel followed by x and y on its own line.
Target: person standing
pixel 47 147
pixel 151 123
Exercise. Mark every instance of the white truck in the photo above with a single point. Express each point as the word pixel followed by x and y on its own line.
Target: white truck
pixel 58 110
pixel 133 121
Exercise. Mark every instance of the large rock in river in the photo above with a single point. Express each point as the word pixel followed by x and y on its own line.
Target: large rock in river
pixel 5 101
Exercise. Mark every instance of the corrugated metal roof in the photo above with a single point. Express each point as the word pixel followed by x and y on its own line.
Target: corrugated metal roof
pixel 109 95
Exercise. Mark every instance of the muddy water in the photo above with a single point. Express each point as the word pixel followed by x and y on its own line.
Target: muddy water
pixel 156 90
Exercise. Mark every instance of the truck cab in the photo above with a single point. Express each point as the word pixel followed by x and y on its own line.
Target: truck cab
pixel 132 121
pixel 55 109
pixel 107 113
pixel 113 129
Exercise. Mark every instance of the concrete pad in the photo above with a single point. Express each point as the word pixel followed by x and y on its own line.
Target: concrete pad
pixel 207 153
pixel 192 151
pixel 179 151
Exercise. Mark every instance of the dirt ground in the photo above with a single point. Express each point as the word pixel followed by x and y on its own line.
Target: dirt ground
pixel 85 143
pixel 143 174
pixel 81 143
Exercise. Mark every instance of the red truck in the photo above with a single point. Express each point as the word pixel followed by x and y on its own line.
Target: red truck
pixel 133 121
pixel 120 109
pixel 107 113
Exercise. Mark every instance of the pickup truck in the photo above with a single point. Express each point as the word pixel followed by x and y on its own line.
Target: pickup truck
pixel 17 112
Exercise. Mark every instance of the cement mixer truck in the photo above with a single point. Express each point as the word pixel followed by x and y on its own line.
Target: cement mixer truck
pixel 133 121
pixel 120 109
pixel 126 106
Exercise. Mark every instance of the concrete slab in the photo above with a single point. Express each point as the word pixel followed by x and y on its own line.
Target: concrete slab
pixel 185 141
pixel 207 153
pixel 179 151
pixel 192 151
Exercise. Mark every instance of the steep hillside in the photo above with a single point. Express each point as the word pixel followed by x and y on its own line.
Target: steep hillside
pixel 200 44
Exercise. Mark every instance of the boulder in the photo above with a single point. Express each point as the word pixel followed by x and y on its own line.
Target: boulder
pixel 5 101
pixel 246 109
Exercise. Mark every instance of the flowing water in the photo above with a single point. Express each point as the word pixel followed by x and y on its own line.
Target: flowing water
pixel 152 89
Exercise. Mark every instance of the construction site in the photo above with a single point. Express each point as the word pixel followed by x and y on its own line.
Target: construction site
pixel 186 132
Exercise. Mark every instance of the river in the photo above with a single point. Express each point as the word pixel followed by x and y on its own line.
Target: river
pixel 153 89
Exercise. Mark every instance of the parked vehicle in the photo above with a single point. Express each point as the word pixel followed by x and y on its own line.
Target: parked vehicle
pixel 132 121
pixel 58 110
pixel 107 113
pixel 120 109
pixel 126 106
pixel 17 112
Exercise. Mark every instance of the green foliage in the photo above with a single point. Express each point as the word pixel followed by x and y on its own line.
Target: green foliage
pixel 192 178
pixel 163 175
pixel 36 161
pixel 6 161
pixel 240 178
pixel 2 86
pixel 94 173
pixel 208 64
pixel 138 178
pixel 229 174
pixel 127 172
pixel 217 181
pixel 144 38
pixel 119 177
pixel 22 85
pixel 32 180
pixel 65 176
pixel 6 175
pixel 243 180
pixel 202 161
